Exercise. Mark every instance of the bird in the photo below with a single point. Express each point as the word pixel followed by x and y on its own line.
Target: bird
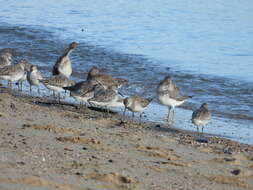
pixel 63 64
pixel 12 73
pixel 82 91
pixel 56 83
pixel 107 98
pixel 96 77
pixel 169 95
pixel 33 77
pixel 24 77
pixel 201 116
pixel 5 59
pixel 136 104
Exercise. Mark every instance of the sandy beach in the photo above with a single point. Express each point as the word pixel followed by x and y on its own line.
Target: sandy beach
pixel 46 145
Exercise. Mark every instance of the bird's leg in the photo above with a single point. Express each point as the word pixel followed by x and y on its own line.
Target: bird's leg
pixel 10 84
pixel 124 113
pixel 168 118
pixel 173 115
pixel 59 97
pixel 38 90
pixel 21 86
pixel 108 111
pixel 202 129
pixel 197 128
pixel 140 118
pixel 30 89
pixel 132 116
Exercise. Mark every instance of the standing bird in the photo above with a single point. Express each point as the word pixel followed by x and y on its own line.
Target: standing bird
pixel 96 77
pixel 82 91
pixel 63 64
pixel 56 83
pixel 107 98
pixel 136 104
pixel 5 59
pixel 34 77
pixel 169 95
pixel 201 116
pixel 12 73
pixel 24 77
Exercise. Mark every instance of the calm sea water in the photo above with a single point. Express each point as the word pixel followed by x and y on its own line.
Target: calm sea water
pixel 207 46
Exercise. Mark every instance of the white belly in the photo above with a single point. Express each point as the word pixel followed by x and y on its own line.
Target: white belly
pixel 167 101
pixel 199 122
pixel 81 98
pixel 55 88
pixel 116 104
pixel 12 78
pixel 66 69
pixel 137 108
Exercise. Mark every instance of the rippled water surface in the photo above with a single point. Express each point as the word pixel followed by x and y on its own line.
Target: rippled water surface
pixel 207 46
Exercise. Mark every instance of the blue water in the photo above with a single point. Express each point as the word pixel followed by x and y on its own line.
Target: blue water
pixel 207 46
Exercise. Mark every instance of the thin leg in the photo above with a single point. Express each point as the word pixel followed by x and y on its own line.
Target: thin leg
pixel 197 128
pixel 168 119
pixel 124 113
pixel 202 129
pixel 140 118
pixel 132 116
pixel 59 97
pixel 108 111
pixel 173 115
pixel 38 90
pixel 21 85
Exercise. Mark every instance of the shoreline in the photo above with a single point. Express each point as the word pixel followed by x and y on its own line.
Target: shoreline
pixel 49 145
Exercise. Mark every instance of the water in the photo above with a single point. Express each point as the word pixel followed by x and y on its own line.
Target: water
pixel 206 46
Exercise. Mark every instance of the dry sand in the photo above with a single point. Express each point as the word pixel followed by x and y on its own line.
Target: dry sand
pixel 58 146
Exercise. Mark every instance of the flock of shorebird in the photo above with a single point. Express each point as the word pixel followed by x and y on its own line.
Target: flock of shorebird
pixel 99 89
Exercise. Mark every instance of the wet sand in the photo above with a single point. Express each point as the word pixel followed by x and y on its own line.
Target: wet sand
pixel 46 145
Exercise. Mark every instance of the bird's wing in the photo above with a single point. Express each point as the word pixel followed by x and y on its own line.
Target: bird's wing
pixel 104 96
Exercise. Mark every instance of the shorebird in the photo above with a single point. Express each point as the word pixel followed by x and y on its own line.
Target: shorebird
pixel 201 116
pixel 63 64
pixel 24 77
pixel 34 77
pixel 56 83
pixel 83 91
pixel 136 104
pixel 12 73
pixel 107 98
pixel 96 77
pixel 5 59
pixel 169 95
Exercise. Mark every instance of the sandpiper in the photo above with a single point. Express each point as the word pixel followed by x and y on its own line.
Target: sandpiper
pixel 169 95
pixel 63 64
pixel 82 91
pixel 34 77
pixel 136 104
pixel 96 77
pixel 12 73
pixel 201 116
pixel 56 83
pixel 107 98
pixel 24 77
pixel 5 59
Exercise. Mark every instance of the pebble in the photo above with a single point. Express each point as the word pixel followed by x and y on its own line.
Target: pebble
pixel 236 172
